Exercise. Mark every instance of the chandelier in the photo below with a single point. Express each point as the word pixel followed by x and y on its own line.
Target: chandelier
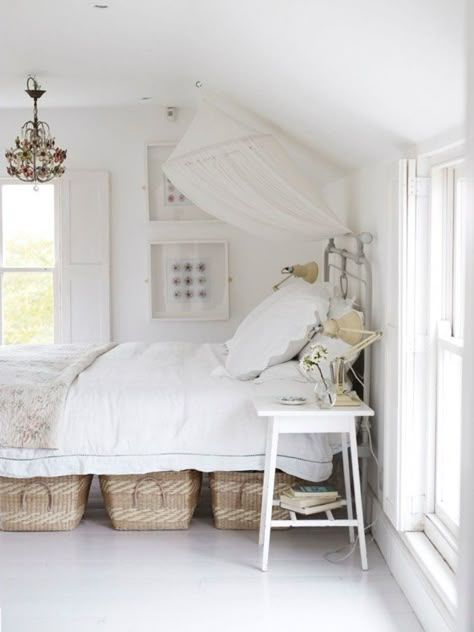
pixel 34 156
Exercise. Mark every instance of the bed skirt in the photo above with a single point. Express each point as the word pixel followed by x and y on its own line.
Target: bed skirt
pixel 55 464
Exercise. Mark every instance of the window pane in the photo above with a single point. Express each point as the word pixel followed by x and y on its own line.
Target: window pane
pixel 459 252
pixel 28 308
pixel 448 436
pixel 28 226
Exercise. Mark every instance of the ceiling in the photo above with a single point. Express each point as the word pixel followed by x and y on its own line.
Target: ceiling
pixel 355 80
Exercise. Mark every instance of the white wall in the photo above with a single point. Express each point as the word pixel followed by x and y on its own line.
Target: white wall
pixel 371 194
pixel 114 139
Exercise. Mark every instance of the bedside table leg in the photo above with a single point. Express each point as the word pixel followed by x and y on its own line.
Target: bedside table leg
pixel 268 485
pixel 358 498
pixel 347 483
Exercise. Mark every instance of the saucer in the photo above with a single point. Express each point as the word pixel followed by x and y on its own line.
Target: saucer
pixel 292 400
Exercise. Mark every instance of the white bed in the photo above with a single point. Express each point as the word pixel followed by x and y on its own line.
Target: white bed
pixel 147 407
pixel 143 407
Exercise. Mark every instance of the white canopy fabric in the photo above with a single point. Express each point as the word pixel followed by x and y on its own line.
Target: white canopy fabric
pixel 232 166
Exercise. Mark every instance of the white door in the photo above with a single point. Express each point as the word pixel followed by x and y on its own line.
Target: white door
pixel 85 258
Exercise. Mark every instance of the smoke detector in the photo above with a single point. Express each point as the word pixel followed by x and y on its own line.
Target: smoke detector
pixel 171 114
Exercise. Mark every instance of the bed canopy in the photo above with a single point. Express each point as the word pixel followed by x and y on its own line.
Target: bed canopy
pixel 231 164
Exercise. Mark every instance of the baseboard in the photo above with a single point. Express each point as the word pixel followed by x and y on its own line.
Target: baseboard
pixel 432 613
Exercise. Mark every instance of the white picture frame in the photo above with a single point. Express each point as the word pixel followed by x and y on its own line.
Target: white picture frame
pixel 189 280
pixel 166 204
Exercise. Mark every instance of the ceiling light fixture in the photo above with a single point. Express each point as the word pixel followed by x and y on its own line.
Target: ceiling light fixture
pixel 34 156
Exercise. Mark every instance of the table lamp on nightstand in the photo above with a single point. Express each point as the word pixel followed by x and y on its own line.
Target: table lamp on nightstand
pixel 349 329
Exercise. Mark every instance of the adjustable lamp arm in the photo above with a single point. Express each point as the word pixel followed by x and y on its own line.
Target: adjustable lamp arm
pixel 280 283
pixel 347 328
pixel 372 337
pixel 342 398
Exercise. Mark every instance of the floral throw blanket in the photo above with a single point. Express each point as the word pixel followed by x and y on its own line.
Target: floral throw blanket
pixel 34 381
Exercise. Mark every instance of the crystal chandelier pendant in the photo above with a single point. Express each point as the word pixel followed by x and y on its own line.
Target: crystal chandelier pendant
pixel 34 156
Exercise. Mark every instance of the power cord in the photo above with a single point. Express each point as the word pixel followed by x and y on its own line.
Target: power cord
pixel 330 554
pixel 371 448
pixel 357 377
pixel 327 556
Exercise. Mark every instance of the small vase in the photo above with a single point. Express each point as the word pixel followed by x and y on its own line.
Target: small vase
pixel 325 394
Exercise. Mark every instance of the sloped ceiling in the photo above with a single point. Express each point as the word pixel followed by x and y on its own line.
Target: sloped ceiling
pixel 354 79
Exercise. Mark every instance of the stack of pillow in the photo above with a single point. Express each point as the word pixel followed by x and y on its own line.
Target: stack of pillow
pixel 278 329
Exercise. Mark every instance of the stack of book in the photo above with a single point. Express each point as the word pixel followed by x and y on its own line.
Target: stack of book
pixel 310 499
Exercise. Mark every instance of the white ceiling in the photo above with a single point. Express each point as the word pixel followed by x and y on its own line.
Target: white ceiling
pixel 355 79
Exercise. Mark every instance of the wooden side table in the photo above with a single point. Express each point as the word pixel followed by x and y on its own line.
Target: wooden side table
pixel 310 418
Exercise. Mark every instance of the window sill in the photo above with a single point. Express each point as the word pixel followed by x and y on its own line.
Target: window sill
pixel 434 567
pixel 443 540
pixel 422 574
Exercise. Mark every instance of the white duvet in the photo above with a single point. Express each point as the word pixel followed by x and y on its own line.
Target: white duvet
pixel 146 407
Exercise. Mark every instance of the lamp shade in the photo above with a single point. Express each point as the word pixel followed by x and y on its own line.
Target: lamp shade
pixel 348 328
pixel 309 272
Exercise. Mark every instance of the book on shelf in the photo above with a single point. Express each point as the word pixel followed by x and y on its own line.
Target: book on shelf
pixel 326 492
pixel 308 511
pixel 310 501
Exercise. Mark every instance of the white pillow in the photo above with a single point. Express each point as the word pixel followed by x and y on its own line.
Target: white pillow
pixel 276 329
pixel 339 306
pixel 287 371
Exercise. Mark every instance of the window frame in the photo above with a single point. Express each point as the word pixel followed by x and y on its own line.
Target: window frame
pixel 408 481
pixel 437 525
pixel 56 270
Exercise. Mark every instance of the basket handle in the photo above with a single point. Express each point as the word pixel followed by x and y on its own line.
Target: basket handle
pixel 29 486
pixel 137 490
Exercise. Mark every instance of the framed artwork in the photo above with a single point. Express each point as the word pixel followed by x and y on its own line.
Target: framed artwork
pixel 165 202
pixel 189 280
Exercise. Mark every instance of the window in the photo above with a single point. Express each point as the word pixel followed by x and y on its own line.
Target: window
pixel 28 275
pixel 447 314
pixel 423 484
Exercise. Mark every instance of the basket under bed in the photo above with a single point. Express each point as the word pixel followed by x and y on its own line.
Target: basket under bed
pixel 43 503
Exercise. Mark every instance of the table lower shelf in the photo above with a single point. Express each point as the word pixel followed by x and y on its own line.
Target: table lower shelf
pixel 303 520
pixel 314 523
pixel 326 508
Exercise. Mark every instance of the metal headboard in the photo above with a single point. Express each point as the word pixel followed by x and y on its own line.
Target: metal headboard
pixel 351 271
pixel 353 275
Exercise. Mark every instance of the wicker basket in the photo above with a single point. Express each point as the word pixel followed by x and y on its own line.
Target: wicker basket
pixel 158 500
pixel 237 498
pixel 43 503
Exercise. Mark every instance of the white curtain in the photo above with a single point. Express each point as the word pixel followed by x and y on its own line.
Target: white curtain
pixel 231 165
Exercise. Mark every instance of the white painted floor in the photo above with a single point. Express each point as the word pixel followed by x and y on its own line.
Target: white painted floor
pixel 201 580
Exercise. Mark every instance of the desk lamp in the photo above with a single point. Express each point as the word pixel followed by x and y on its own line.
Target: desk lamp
pixel 348 328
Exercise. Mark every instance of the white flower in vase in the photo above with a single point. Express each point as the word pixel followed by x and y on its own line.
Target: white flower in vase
pixel 309 365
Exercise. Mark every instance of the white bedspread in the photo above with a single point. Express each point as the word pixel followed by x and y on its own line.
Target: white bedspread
pixel 146 407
